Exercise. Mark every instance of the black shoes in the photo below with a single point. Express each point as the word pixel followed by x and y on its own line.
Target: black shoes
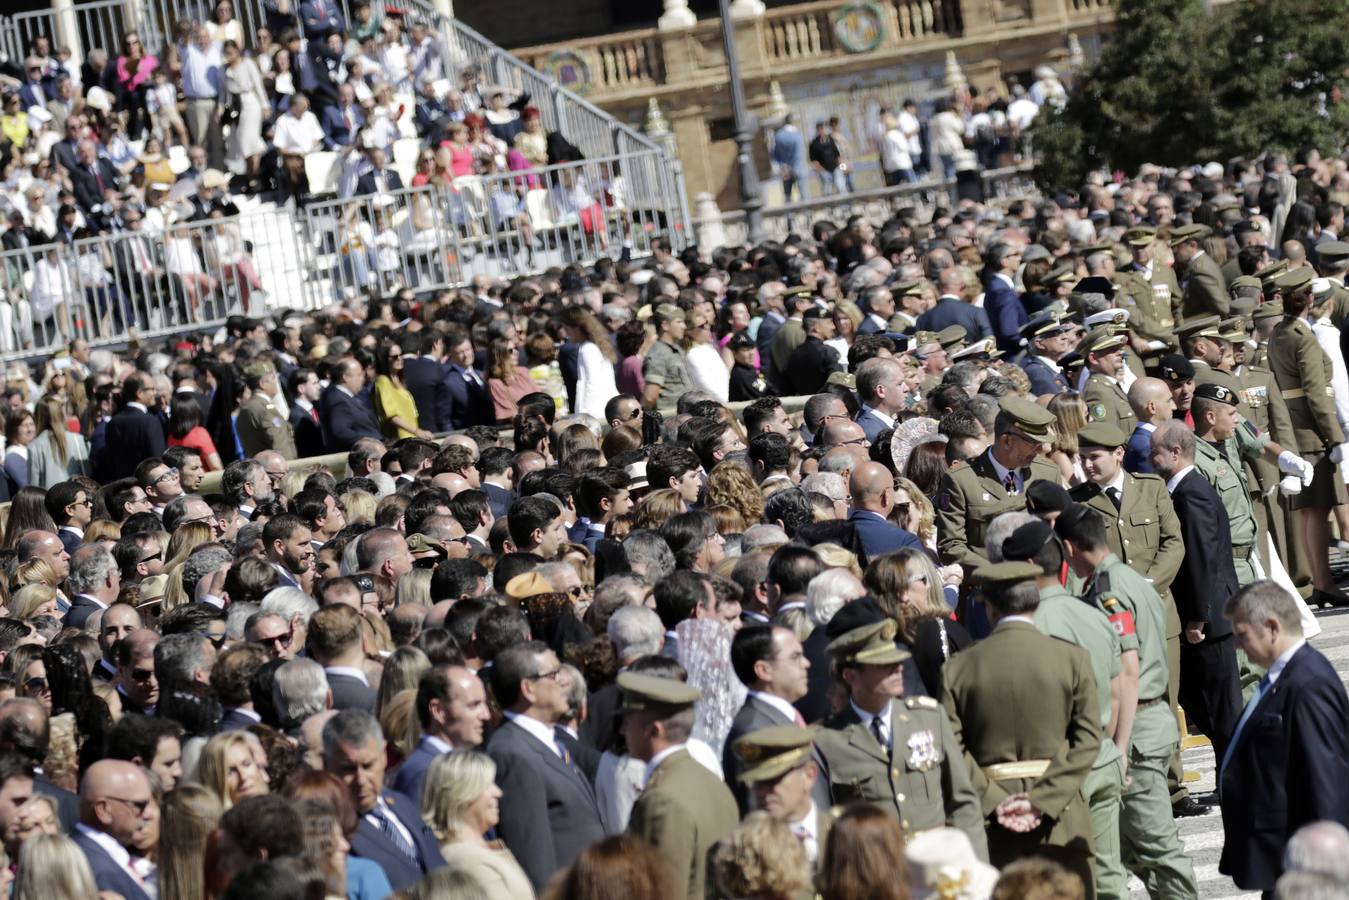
pixel 1189 806
pixel 1328 598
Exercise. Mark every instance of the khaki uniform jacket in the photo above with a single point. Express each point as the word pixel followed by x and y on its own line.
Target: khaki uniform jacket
pixel 924 782
pixel 1150 314
pixel 1269 413
pixel 1165 287
pixel 261 426
pixel 1302 370
pixel 1145 531
pixel 1017 696
pixel 684 812
pixel 1205 289
pixel 1106 402
pixel 970 497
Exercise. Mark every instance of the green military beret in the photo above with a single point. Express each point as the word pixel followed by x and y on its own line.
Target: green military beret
pixel 1332 251
pixel 1006 574
pixel 1202 326
pixel 1101 339
pixel 771 752
pixel 1294 279
pixel 1101 434
pixel 1140 237
pixel 1189 233
pixel 647 692
pixel 872 644
pixel 1031 419
pixel 1272 310
pixel 951 336
pixel 1219 393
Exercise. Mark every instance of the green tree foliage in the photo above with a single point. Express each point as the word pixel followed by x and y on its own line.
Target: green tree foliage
pixel 1175 85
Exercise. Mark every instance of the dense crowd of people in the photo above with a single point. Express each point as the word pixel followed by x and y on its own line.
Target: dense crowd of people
pixel 869 563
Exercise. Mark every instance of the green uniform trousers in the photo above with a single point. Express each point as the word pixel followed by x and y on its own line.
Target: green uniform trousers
pixel 1104 791
pixel 1149 839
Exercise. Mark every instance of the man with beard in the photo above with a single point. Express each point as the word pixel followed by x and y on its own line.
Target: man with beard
pixel 287 542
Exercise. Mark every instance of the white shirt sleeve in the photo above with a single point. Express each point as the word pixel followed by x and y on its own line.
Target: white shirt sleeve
pixel 595 385
pixel 1329 338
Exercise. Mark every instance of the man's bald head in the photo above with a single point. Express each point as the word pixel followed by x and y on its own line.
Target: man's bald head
pixel 140 643
pixel 103 778
pixel 1320 847
pixel 439 612
pixel 951 281
pixel 1151 400
pixel 873 488
pixel 841 432
pixel 117 800
pixel 452 482
pixel 24 729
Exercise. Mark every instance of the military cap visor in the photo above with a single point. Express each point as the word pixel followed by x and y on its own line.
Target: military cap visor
pixel 1140 237
pixel 872 645
pixel 1294 279
pixel 647 692
pixel 1101 434
pixel 1205 326
pixel 1189 233
pixel 1029 419
pixel 1332 251
pixel 1006 574
pixel 770 753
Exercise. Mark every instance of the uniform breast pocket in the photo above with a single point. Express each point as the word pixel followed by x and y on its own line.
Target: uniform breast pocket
pixel 1143 529
pixel 845 787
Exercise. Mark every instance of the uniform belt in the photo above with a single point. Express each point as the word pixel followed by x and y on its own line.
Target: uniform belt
pixel 1242 552
pixel 1143 703
pixel 1013 771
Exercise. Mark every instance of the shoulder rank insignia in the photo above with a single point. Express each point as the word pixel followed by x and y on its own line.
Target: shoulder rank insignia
pixel 921 703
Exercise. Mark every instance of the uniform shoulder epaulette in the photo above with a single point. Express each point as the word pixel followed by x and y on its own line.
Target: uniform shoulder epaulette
pixel 1084 491
pixel 921 703
pixel 1148 476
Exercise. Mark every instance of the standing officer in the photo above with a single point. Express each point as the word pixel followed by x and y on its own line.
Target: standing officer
pixel 1047 337
pixel 777 768
pixel 664 370
pixel 684 810
pixel 1215 422
pixel 1302 370
pixel 1151 323
pixel 1149 840
pixel 260 425
pixel 1205 290
pixel 972 494
pixel 1064 616
pixel 1025 709
pixel 900 754
pixel 1103 349
pixel 1162 279
pixel 813 361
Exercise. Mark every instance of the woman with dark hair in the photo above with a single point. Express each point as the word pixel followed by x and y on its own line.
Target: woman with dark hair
pixel 394 406
pixel 72 691
pixel 20 430
pixel 56 453
pixel 572 439
pixel 863 857
pixel 693 538
pixel 595 384
pixel 330 822
pixel 632 339
pixel 926 466
pixel 186 429
pixel 131 78
pixel 230 393
pixel 908 589
pixel 27 512
pixel 507 380
pixel 621 866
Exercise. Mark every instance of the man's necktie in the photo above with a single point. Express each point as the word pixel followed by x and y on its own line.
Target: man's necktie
pixel 1009 483
pixel 878 732
pixel 1241 723
pixel 98 179
pixel 395 835
pixel 800 720
pixel 1115 496
pixel 314 414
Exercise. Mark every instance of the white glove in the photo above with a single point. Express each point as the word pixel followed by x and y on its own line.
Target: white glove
pixel 1290 485
pixel 1338 453
pixel 1344 469
pixel 1292 464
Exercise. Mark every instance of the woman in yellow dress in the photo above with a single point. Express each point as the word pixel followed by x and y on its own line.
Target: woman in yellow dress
pixel 394 406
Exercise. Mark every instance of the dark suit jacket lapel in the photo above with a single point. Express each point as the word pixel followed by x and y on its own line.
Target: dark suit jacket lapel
pixel 771 712
pixel 553 761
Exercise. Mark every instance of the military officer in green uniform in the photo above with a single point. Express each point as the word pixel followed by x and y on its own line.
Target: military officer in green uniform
pixel 1103 349
pixel 1166 294
pixel 1148 836
pixel 1062 615
pixel 1215 423
pixel 778 767
pixel 972 494
pixel 791 335
pixel 260 425
pixel 1204 289
pixel 1026 711
pixel 897 752
pixel 664 370
pixel 684 810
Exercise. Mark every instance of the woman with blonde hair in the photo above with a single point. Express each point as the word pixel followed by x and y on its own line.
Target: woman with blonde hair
pixel 52 867
pixel 460 804
pixel 835 556
pixel 403 671
pixel 657 508
pixel 359 506
pixel 229 767
pixel 398 720
pixel 414 587
pixel 186 538
pixel 189 813
pixel 102 530
pixel 34 572
pixel 908 589
pixel 762 860
pixel 56 454
pixel 1070 414
pixel 731 484
pixel 914 513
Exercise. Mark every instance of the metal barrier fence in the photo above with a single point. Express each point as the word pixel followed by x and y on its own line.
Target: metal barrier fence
pixel 434 237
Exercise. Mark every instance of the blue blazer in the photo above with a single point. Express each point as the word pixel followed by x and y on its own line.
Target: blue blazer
pixel 952 311
pixel 1288 765
pixel 81 608
pixel 350 693
pixel 498 498
pixel 131 436
pixel 768 326
pixel 871 424
pixel 880 537
pixel 108 876
pixel 411 775
pixel 335 127
pixel 308 433
pixel 345 420
pixel 1136 452
pixel 470 404
pixel 1005 312
pixel 370 843
pixel 1043 380
pixel 425 380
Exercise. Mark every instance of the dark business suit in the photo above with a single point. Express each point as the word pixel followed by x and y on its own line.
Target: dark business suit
pixel 880 537
pixel 753 715
pixel 370 843
pixel 471 404
pixel 350 692
pixel 1210 689
pixel 601 715
pixel 1005 313
pixel 1289 766
pixel 308 433
pixel 345 420
pixel 411 775
pixel 1137 451
pixel 92 182
pixel 339 130
pixel 132 436
pixel 871 424
pixel 425 379
pixel 69 540
pixel 954 311
pixel 108 876
pixel 498 498
pixel 548 809
pixel 569 363
pixel 367 184
pixel 768 327
pixel 237 720
pixel 1043 379
pixel 815 705
pixel 81 608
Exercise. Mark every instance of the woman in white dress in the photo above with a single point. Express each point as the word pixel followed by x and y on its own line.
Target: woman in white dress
pixel 595 385
pixel 243 87
pixel 702 358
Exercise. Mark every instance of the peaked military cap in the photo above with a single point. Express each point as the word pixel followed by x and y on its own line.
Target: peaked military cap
pixel 951 335
pixel 1114 316
pixel 1046 323
pixel 1101 434
pixel 1233 329
pixel 1031 419
pixel 872 644
pixel 1203 326
pixel 1189 233
pixel 1101 339
pixel 985 349
pixel 1272 271
pixel 1060 275
pixel 642 692
pixel 1294 279
pixel 770 752
pixel 1271 310
pixel 1140 237
pixel 1332 251
pixel 1006 574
